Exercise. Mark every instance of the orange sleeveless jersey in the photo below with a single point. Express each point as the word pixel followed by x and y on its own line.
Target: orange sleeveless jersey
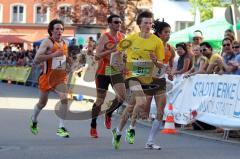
pixel 105 60
pixel 168 54
pixel 49 77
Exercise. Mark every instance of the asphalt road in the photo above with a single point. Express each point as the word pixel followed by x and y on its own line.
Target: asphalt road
pixel 17 142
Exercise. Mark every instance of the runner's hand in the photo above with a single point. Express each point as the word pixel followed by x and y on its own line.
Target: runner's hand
pixel 58 53
pixel 170 77
pixel 153 57
pixel 186 76
pixel 113 50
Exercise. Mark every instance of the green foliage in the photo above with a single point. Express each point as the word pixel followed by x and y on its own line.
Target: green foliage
pixel 206 7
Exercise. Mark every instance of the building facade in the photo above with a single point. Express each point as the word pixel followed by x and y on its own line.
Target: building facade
pixel 176 12
pixel 25 18
pixel 28 19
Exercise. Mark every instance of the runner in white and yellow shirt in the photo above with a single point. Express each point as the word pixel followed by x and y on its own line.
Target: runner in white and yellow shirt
pixel 144 51
pixel 162 29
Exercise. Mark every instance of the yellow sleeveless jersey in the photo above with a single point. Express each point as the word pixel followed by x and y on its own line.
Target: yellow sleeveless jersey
pixel 139 63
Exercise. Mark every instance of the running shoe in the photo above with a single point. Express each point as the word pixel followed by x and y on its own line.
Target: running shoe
pixel 33 127
pixel 108 122
pixel 93 133
pixel 130 136
pixel 62 132
pixel 152 146
pixel 115 139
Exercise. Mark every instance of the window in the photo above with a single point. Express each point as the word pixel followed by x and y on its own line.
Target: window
pixel 88 14
pixel 41 14
pixel 180 25
pixel 1 13
pixel 17 14
pixel 64 14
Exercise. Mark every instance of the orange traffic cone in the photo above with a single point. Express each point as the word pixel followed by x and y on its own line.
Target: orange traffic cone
pixel 169 127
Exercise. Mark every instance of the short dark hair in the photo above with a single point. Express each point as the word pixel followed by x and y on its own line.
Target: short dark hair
pixel 207 44
pixel 158 26
pixel 182 45
pixel 109 19
pixel 144 14
pixel 51 25
pixel 229 30
pixel 227 38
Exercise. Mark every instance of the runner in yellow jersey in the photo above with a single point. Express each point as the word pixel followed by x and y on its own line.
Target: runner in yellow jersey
pixel 162 30
pixel 144 51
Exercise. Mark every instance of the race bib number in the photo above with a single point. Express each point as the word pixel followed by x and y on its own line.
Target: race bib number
pixel 142 68
pixel 59 63
pixel 109 70
pixel 116 60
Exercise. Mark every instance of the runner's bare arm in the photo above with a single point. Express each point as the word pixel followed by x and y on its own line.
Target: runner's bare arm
pixel 171 61
pixel 44 52
pixel 157 63
pixel 100 52
pixel 158 55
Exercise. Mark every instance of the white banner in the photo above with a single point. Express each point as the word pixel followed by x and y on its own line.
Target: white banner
pixel 214 99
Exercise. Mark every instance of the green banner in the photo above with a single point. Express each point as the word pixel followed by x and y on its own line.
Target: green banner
pixel 13 73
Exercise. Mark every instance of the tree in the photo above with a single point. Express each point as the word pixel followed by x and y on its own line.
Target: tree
pixel 95 11
pixel 206 7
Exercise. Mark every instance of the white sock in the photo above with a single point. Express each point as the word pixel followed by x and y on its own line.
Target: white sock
pixel 61 123
pixel 118 132
pixel 154 130
pixel 131 127
pixel 36 112
pixel 64 110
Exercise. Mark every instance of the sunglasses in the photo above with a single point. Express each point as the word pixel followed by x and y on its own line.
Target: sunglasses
pixel 226 45
pixel 197 38
pixel 203 50
pixel 117 22
pixel 236 47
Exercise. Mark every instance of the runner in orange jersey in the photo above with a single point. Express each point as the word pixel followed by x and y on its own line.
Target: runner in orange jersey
pixel 53 56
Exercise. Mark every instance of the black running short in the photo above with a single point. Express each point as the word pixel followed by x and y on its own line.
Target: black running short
pixel 103 81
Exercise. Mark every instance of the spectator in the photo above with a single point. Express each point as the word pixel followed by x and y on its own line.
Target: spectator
pixel 1 59
pixel 228 56
pixel 213 65
pixel 73 49
pixel 184 62
pixel 29 58
pixel 21 60
pixel 229 34
pixel 197 38
pixel 236 62
pixel 91 46
pixel 200 63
